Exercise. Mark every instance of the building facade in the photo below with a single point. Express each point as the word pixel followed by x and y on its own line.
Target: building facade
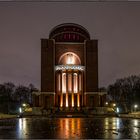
pixel 69 70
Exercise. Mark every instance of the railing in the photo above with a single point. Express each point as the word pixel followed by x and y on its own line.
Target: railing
pixel 70 67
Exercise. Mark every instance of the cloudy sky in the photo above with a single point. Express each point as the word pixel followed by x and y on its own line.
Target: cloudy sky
pixel 116 25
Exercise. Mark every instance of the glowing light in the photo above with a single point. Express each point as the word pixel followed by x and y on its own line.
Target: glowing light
pixel 117 110
pixel 69 127
pixel 69 82
pixel 78 100
pixel 70 67
pixel 136 122
pixel 135 106
pixel 20 110
pixel 67 100
pixel 72 100
pixel 61 102
pixel 70 59
pixel 114 105
pixel 106 123
pixel 75 83
pixel 22 128
pixel 24 105
pixel 118 122
pixel 20 124
pixel 106 103
pixel 64 82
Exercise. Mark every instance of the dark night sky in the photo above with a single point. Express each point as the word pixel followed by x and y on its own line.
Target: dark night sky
pixel 115 24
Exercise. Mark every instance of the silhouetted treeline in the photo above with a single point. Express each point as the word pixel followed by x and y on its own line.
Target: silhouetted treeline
pixel 11 96
pixel 126 91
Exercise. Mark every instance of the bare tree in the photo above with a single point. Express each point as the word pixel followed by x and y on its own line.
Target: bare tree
pixel 126 91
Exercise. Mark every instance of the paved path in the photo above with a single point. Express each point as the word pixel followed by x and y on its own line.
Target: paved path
pixel 7 116
pixel 131 115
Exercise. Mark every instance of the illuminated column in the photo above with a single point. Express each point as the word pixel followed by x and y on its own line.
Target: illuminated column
pixel 72 91
pixel 78 100
pixel 82 88
pixel 66 89
pixel 64 84
pixel 77 82
pixel 57 88
pixel 78 96
pixel 61 104
pixel 69 82
pixel 61 94
pixel 61 82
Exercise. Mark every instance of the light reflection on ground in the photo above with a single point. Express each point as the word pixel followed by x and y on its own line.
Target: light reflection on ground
pixel 70 128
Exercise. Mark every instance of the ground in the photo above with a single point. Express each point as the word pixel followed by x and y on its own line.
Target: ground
pixel 6 116
pixel 70 128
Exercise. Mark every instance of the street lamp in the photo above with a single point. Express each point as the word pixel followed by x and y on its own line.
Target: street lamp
pixel 118 110
pixel 135 106
pixel 106 103
pixel 20 110
pixel 114 105
pixel 24 105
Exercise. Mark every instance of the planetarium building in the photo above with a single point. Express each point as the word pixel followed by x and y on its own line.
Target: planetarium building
pixel 69 70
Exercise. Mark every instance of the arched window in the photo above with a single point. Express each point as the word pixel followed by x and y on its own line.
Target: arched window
pixel 69 58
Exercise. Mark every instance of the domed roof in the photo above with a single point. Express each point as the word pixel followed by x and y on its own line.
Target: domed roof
pixel 69 32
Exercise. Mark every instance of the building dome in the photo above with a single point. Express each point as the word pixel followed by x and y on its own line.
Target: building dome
pixel 69 32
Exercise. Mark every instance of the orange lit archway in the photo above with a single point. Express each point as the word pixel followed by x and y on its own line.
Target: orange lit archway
pixel 69 58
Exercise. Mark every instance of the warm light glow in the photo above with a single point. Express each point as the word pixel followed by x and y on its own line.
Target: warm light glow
pixel 72 100
pixel 70 58
pixel 135 106
pixel 106 103
pixel 69 82
pixel 64 83
pixel 61 102
pixel 70 67
pixel 78 100
pixel 66 100
pixel 114 105
pixel 75 83
pixel 70 128
pixel 24 105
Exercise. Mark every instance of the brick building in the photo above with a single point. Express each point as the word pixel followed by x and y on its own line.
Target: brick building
pixel 69 70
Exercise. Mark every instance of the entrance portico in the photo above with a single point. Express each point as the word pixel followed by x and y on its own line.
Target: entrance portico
pixel 69 81
pixel 69 88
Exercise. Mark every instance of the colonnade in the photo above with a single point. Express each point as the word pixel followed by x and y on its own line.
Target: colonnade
pixel 69 88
